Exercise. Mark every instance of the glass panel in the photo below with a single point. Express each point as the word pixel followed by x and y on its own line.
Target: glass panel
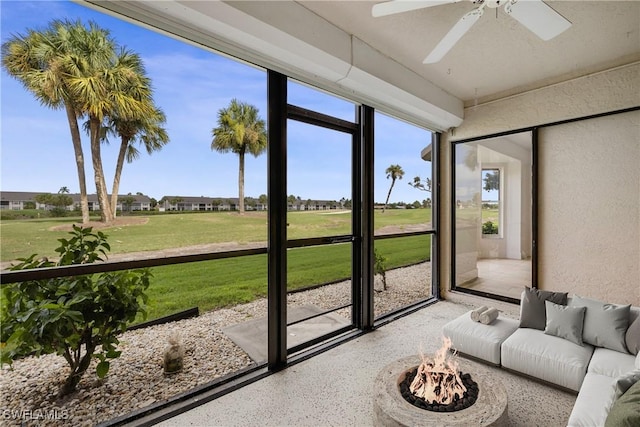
pixel 311 98
pixel 403 272
pixel 493 208
pixel 490 202
pixel 319 291
pixel 181 199
pixel 318 181
pixel 182 175
pixel 319 188
pixel 402 191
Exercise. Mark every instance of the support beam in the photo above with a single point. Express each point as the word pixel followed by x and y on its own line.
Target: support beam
pixel 368 259
pixel 277 238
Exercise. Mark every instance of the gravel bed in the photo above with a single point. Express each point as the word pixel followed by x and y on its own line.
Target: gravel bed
pixel 136 378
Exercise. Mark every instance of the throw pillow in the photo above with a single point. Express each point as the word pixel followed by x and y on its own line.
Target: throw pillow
pixel 564 321
pixel 632 337
pixel 624 411
pixel 625 381
pixel 637 361
pixel 533 312
pixel 605 325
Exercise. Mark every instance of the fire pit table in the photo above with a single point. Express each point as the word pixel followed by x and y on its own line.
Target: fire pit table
pixel 391 409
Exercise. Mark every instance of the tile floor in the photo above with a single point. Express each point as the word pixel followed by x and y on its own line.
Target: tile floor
pixel 505 277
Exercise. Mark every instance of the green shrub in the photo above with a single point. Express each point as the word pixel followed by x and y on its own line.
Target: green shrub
pixel 58 212
pixel 380 267
pixel 77 317
pixel 10 214
pixel 489 228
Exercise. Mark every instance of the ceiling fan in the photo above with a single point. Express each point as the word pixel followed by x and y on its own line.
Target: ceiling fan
pixel 537 16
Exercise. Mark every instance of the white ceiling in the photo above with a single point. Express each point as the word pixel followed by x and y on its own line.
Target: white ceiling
pixel 339 46
pixel 498 56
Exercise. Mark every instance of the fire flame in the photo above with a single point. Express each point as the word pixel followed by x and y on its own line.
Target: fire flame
pixel 438 379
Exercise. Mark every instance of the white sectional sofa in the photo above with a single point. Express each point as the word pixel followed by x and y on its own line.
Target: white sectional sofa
pixel 579 344
pixel 598 391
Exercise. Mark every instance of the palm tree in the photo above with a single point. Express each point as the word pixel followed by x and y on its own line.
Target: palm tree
pixel 147 131
pixel 240 130
pixel 422 186
pixel 115 88
pixel 37 59
pixel 69 65
pixel 394 172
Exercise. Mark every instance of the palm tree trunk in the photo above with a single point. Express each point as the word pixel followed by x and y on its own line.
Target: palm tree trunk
pixel 241 182
pixel 386 202
pixel 77 147
pixel 98 173
pixel 116 178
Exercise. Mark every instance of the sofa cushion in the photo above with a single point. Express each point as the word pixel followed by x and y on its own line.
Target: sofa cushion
pixel 596 397
pixel 549 358
pixel 624 411
pixel 532 309
pixel 564 321
pixel 477 339
pixel 610 363
pixel 625 381
pixel 605 325
pixel 632 337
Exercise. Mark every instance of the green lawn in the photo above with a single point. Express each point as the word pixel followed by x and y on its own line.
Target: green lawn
pixel 492 215
pixel 219 283
pixel 22 238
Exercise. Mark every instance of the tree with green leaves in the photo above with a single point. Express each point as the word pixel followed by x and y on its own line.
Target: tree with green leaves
pixel 117 89
pixel 491 180
pixel 422 186
pixel 77 317
pixel 147 129
pixel 59 202
pixel 240 130
pixel 83 70
pixel 394 172
pixel 127 201
pixel 39 60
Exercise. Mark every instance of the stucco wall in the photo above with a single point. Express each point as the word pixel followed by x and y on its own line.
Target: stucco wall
pixel 596 208
pixel 593 94
pixel 589 208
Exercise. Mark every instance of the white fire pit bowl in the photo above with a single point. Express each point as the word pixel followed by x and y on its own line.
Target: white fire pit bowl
pixel 390 409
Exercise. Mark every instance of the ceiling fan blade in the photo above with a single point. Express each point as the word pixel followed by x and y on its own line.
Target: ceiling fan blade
pixel 451 38
pixel 399 6
pixel 538 17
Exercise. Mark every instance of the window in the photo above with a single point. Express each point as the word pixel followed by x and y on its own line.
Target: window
pixel 403 214
pixel 491 202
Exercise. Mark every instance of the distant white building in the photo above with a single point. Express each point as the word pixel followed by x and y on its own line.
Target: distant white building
pixel 201 203
pixel 19 200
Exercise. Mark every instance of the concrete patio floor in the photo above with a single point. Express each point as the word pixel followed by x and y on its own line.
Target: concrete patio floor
pixel 335 387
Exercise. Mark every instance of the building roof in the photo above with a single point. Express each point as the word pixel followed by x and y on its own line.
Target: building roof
pixel 27 196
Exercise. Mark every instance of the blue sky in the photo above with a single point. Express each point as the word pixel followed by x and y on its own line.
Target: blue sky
pixel 190 85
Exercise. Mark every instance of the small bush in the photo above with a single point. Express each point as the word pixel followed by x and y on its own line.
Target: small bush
pixel 58 212
pixel 489 228
pixel 380 267
pixel 76 317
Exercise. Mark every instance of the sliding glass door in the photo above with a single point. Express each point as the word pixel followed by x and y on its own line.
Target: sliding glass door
pixel 493 208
